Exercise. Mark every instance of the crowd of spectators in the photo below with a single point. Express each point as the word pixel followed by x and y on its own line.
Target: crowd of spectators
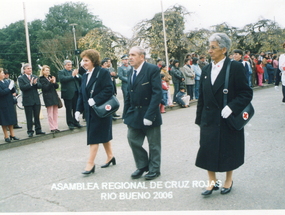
pixel 180 85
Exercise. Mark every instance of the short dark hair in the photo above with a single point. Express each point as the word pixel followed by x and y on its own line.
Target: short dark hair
pixel 175 61
pixel 194 60
pixel 186 60
pixel 238 51
pixel 103 61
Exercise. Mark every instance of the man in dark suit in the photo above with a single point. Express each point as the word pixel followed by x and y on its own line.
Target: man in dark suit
pixel 29 86
pixel 142 115
pixel 70 84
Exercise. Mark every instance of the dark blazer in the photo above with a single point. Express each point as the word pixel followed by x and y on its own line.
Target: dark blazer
pixel 99 130
pixel 7 111
pixel 30 95
pixel 221 149
pixel 69 84
pixel 143 97
pixel 49 93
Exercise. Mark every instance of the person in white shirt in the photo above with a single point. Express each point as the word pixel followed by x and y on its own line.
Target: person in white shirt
pixel 282 69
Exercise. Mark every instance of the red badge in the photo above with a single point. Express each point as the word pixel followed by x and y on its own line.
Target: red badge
pixel 108 107
pixel 245 116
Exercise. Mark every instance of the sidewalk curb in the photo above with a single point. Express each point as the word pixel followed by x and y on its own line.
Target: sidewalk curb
pixel 48 136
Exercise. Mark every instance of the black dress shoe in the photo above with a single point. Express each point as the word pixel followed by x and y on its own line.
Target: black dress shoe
pixel 7 140
pixel 138 173
pixel 116 115
pixel 14 138
pixel 17 127
pixel 113 161
pixel 78 125
pixel 152 175
pixel 89 172
pixel 227 190
pixel 40 132
pixel 71 127
pixel 30 134
pixel 209 192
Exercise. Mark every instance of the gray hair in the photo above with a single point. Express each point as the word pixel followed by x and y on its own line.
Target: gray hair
pixel 141 51
pixel 222 39
pixel 66 62
pixel 25 66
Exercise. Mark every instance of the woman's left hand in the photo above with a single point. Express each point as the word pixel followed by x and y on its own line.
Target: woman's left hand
pixel 226 112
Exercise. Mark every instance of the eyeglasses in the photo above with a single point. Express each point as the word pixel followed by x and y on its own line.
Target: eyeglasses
pixel 213 48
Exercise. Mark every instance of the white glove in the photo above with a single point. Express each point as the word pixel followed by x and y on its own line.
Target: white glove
pixel 226 112
pixel 91 102
pixel 77 114
pixel 147 122
pixel 11 85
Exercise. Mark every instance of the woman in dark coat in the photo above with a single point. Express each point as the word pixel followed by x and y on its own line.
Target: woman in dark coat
pixel 7 111
pixel 221 149
pixel 177 78
pixel 99 130
pixel 50 96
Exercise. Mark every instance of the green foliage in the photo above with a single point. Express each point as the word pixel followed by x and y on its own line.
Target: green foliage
pixel 61 16
pixel 13 46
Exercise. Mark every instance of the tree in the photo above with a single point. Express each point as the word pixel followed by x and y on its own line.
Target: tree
pixel 61 16
pixel 265 35
pixel 150 34
pixel 107 42
pixel 57 41
pixel 13 46
pixel 199 40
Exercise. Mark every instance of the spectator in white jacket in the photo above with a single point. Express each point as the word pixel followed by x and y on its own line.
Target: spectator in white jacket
pixel 282 69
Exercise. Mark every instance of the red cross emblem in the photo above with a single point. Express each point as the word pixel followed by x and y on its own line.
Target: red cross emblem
pixel 108 107
pixel 245 116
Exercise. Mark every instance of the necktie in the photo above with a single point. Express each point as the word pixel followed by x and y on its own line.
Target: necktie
pixel 134 76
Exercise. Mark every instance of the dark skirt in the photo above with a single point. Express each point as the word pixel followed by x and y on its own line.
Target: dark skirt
pixel 8 115
pixel 99 130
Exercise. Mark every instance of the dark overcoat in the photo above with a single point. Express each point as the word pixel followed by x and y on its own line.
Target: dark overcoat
pixel 221 149
pixel 7 110
pixel 99 130
pixel 143 98
pixel 69 84
pixel 29 92
pixel 49 92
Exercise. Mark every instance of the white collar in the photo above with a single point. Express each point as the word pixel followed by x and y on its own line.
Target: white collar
pixel 219 64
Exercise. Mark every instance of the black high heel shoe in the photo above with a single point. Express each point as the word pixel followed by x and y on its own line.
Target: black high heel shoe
pixel 209 192
pixel 89 172
pixel 227 190
pixel 14 138
pixel 7 140
pixel 113 161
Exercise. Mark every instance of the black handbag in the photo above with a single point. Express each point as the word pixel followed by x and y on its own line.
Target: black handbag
pixel 239 121
pixel 109 107
pixel 15 101
pixel 60 105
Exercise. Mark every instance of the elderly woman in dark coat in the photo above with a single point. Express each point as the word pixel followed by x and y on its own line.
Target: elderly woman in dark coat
pixel 99 130
pixel 221 149
pixel 7 111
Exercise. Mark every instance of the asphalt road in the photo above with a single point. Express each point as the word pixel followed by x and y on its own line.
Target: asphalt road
pixel 45 176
